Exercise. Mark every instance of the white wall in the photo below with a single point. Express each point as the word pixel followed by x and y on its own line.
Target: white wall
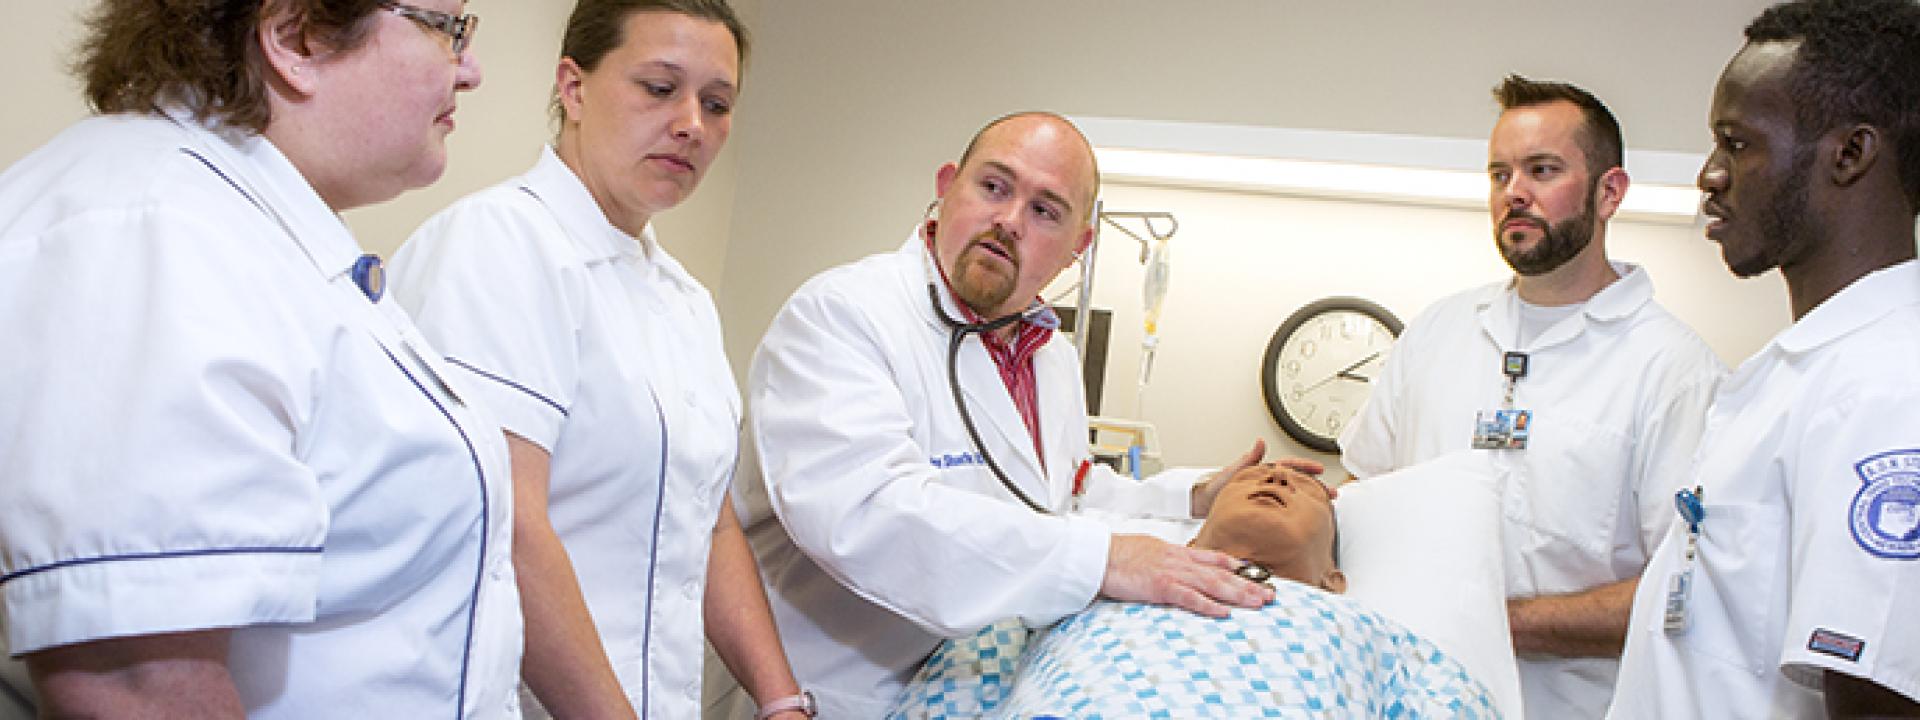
pixel 855 103
pixel 1243 262
pixel 501 126
pixel 850 105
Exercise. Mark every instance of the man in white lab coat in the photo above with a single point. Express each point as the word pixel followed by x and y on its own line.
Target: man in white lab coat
pixel 1586 393
pixel 882 525
pixel 1790 590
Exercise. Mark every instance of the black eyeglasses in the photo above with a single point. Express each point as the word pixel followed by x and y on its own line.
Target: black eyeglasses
pixel 459 27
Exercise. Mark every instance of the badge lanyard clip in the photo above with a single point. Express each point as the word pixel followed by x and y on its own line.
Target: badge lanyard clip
pixel 1507 428
pixel 1514 366
pixel 1693 510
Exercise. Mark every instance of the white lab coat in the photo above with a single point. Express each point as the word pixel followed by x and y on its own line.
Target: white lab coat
pixel 600 348
pixel 1618 392
pixel 209 426
pixel 1809 447
pixel 878 529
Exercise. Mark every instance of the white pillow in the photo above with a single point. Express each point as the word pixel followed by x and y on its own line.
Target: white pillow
pixel 1422 545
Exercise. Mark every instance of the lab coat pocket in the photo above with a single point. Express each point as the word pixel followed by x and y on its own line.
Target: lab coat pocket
pixel 1731 602
pixel 1563 496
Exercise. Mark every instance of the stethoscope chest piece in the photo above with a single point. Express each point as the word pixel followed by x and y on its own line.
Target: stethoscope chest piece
pixel 371 276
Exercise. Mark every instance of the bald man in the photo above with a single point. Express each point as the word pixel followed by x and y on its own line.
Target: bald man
pixel 921 427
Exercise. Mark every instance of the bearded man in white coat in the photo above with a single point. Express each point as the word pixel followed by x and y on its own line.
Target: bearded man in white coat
pixel 882 525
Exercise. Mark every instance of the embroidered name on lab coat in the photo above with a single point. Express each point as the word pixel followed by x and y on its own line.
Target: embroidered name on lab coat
pixel 952 460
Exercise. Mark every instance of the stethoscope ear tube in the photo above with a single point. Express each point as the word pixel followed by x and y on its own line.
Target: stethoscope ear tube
pixel 958 332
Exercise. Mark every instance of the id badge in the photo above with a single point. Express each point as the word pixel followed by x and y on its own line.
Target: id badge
pixel 1679 587
pixel 1501 429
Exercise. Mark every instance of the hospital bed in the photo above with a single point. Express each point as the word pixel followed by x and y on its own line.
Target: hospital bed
pixel 1424 634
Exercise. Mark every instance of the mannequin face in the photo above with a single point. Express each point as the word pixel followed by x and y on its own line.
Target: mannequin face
pixel 1279 518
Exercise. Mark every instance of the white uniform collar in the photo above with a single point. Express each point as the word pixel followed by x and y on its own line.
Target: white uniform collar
pixel 916 246
pixel 1618 300
pixel 257 168
pixel 597 238
pixel 1855 306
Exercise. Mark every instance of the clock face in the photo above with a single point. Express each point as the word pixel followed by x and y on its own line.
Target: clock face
pixel 1320 366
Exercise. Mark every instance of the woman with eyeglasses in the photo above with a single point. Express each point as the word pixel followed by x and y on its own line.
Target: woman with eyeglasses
pixel 234 480
pixel 603 358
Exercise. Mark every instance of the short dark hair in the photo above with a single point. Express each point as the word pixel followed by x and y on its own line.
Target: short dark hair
pixel 1858 62
pixel 203 54
pixel 1600 141
pixel 598 27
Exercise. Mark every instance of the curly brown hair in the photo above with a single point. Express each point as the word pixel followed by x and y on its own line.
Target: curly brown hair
pixel 204 54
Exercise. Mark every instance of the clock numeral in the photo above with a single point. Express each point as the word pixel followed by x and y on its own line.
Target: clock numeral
pixel 1326 329
pixel 1292 368
pixel 1333 422
pixel 1308 348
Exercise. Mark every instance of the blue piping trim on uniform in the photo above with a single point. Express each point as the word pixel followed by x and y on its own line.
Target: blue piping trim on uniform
pixel 223 176
pixel 480 566
pixel 653 559
pixel 167 555
pixel 509 383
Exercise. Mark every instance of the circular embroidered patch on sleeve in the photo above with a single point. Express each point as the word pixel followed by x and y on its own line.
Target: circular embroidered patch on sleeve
pixel 1885 516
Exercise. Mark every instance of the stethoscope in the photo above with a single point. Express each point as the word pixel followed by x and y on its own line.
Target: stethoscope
pixel 957 334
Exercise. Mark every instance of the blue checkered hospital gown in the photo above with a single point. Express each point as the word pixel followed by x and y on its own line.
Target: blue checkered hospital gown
pixel 1310 654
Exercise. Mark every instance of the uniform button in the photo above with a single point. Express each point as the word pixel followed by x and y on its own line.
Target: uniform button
pixel 692 398
pixel 692 589
pixel 693 690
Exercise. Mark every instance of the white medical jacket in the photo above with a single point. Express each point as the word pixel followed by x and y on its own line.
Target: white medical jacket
pixel 1618 393
pixel 206 424
pixel 1809 554
pixel 600 348
pixel 878 528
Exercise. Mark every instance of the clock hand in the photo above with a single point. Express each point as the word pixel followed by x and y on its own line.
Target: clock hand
pixel 1346 373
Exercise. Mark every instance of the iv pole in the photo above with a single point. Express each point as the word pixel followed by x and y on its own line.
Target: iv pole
pixel 1105 217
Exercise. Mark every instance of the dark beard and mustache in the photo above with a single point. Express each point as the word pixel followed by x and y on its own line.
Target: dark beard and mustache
pixel 1559 242
pixel 982 291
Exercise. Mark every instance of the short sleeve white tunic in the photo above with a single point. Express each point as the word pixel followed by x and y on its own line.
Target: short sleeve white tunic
pixel 601 349
pixel 1618 392
pixel 1809 554
pixel 205 424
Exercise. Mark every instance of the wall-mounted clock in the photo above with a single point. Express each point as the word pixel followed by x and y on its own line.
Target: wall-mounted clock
pixel 1320 366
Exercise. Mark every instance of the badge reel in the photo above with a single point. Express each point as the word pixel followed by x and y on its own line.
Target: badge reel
pixel 1680 583
pixel 1508 427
